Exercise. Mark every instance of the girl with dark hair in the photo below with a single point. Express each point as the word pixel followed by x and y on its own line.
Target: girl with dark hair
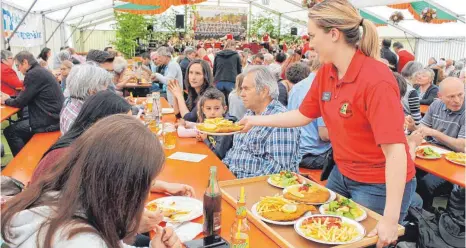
pixel 93 196
pixel 198 79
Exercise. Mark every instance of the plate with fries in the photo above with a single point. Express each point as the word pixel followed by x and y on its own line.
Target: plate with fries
pixel 219 127
pixel 280 211
pixel 456 158
pixel 330 229
pixel 177 209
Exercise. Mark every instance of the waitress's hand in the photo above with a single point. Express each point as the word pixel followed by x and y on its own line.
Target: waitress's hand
pixel 246 121
pixel 387 230
pixel 150 220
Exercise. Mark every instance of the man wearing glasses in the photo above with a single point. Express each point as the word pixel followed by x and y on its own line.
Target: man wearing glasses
pixel 43 97
pixel 10 81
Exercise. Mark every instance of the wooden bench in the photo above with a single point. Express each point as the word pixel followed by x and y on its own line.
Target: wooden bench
pixel 24 163
pixel 314 175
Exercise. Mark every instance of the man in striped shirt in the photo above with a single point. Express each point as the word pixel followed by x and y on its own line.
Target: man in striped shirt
pixel 263 150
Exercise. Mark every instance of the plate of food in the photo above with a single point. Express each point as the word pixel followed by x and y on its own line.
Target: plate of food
pixel 344 207
pixel 218 126
pixel 330 229
pixel 166 111
pixel 427 152
pixel 456 158
pixel 309 193
pixel 280 211
pixel 177 208
pixel 284 179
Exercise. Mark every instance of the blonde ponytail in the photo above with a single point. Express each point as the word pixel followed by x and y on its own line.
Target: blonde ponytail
pixel 340 14
pixel 369 43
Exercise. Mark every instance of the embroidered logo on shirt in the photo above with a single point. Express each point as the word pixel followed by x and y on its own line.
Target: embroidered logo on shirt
pixel 346 109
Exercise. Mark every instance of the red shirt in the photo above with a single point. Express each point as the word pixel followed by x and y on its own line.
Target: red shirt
pixel 229 37
pixel 361 111
pixel 10 81
pixel 306 48
pixel 265 38
pixel 403 58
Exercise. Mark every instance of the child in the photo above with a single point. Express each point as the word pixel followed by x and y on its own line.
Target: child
pixel 211 105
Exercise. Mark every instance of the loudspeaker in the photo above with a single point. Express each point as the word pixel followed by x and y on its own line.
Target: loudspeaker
pixel 150 27
pixel 179 21
pixel 294 31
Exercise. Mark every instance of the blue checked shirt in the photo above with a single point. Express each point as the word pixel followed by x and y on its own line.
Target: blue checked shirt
pixel 264 150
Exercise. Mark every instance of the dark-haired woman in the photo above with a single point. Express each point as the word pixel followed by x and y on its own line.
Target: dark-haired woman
pixel 45 54
pixel 93 196
pixel 197 80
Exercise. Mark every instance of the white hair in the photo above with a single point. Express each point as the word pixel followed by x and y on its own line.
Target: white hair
pixel 64 55
pixel 85 79
pixel 164 51
pixel 268 57
pixel 264 78
pixel 119 65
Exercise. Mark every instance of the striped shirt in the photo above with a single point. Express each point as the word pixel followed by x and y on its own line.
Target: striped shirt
pixel 440 118
pixel 264 150
pixel 411 104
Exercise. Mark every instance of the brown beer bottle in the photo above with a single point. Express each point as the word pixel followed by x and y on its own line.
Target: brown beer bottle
pixel 212 205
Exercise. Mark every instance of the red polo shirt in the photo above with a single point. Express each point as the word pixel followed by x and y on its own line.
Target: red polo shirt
pixel 10 80
pixel 403 58
pixel 361 111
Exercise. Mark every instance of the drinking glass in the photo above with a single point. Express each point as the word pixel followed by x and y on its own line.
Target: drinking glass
pixel 169 135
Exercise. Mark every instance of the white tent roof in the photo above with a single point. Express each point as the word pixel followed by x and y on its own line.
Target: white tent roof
pixel 87 13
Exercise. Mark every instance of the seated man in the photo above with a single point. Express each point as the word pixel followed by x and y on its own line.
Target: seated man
pixel 43 97
pixel 263 150
pixel 444 125
pixel 315 148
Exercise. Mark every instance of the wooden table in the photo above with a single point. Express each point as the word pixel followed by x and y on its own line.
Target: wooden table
pixel 424 109
pixel 8 111
pixel 135 85
pixel 442 168
pixel 197 176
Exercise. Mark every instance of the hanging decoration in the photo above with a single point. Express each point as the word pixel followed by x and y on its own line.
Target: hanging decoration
pixel 310 3
pixel 428 14
pixel 396 17
pixel 417 10
pixel 152 7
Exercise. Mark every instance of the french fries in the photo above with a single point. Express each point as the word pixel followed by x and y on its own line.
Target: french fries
pixel 458 157
pixel 272 204
pixel 330 232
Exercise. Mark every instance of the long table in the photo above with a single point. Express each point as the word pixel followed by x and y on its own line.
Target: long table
pixel 424 109
pixel 444 169
pixel 8 111
pixel 197 176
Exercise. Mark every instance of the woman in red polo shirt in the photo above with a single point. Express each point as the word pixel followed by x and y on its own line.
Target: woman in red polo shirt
pixel 359 100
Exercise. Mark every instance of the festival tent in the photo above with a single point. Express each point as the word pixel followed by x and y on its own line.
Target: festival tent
pixel 55 23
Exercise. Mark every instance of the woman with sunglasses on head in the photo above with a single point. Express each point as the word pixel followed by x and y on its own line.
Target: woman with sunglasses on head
pixel 359 100
pixel 93 196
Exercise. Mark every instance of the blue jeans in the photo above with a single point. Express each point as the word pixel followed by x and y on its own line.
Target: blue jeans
pixel 371 196
pixel 225 87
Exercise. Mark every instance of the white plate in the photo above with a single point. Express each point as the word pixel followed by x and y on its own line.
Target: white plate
pixel 458 163
pixel 435 149
pixel 360 228
pixel 269 180
pixel 332 196
pixel 181 203
pixel 217 134
pixel 281 223
pixel 323 207
pixel 167 111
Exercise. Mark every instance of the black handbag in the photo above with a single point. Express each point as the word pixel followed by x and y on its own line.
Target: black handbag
pixel 329 163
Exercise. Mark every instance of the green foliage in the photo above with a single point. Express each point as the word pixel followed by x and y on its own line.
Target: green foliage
pixel 128 28
pixel 261 24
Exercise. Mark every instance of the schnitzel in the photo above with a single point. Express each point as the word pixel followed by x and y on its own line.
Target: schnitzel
pixel 282 216
pixel 307 193
pixel 277 208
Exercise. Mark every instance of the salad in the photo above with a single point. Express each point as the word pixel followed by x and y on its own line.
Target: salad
pixel 285 179
pixel 427 152
pixel 344 207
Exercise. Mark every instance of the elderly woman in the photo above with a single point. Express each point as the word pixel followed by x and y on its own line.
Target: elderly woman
pixel 122 74
pixel 427 91
pixel 410 100
pixel 60 57
pixel 83 81
pixel 457 71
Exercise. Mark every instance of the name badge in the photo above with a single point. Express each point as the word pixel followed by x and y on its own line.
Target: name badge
pixel 326 96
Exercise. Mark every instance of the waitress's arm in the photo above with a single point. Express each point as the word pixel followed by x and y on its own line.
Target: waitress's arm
pixel 396 165
pixel 292 118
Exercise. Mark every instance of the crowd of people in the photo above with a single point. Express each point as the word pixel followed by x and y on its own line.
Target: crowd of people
pixel 337 102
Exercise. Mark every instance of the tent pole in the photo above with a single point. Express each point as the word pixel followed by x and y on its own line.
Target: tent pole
pixel 62 20
pixel 74 29
pixel 44 37
pixel 21 22
pixel 249 21
pixel 90 34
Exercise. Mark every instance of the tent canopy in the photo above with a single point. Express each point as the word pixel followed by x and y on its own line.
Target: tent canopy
pixel 86 14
